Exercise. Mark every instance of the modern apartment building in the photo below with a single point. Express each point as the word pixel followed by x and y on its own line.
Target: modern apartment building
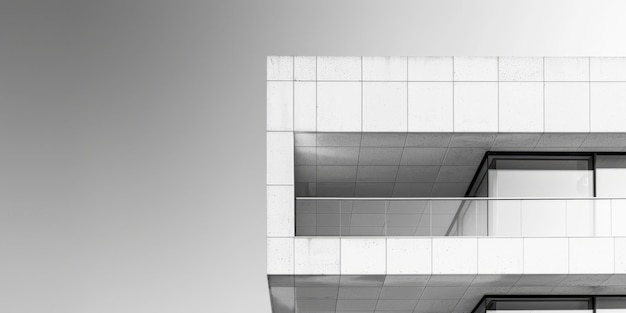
pixel 446 184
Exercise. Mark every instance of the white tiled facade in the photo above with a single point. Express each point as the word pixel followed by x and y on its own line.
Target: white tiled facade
pixel 441 95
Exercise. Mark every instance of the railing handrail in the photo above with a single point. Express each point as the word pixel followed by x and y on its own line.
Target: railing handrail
pixel 458 198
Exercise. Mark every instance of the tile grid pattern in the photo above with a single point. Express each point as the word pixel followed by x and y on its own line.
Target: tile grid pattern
pixel 471 286
pixel 417 164
pixel 597 120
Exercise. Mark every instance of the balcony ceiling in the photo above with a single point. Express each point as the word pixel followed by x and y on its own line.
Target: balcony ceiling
pixel 423 293
pixel 417 164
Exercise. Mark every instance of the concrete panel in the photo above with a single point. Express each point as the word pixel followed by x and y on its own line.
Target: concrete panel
pixel 384 106
pixel 475 107
pixel 280 158
pixel 280 68
pixel 338 106
pixel 500 255
pixel 455 255
pixel 318 256
pixel 279 106
pixel 567 107
pixel 280 256
pixel 338 68
pixel 305 68
pixel 305 106
pixel 430 107
pixel 521 107
pixel 384 68
pixel 280 211
pixel 409 255
pixel 363 256
pixel 546 255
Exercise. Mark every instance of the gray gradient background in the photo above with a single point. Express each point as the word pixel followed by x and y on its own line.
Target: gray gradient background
pixel 132 133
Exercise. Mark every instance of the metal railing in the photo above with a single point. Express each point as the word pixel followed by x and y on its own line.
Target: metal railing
pixel 506 217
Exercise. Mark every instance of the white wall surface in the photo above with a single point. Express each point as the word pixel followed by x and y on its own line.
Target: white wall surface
pixel 443 94
pixel 446 255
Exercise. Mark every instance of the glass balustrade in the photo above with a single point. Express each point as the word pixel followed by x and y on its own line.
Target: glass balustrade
pixel 505 217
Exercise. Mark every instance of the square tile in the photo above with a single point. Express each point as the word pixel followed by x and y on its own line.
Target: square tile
pixel 412 189
pixel 521 107
pixel 401 292
pixel 430 69
pixel 305 106
pixel 455 255
pixel 338 106
pixel 279 106
pixel 335 189
pixel 409 256
pixel 280 208
pixel 428 140
pixel 305 68
pixel 456 174
pixel 383 190
pixel 280 258
pixel 305 139
pixel 316 293
pixel 449 190
pixel 422 156
pixel 305 156
pixel 280 158
pixel 279 68
pixel 384 106
pixel 383 140
pixel 384 68
pixel 608 69
pixel 546 255
pixel 475 69
pixel 500 256
pixel 379 174
pixel 464 156
pixel 521 69
pixel 476 107
pixel 566 68
pixel 395 305
pixel 362 293
pixel 317 256
pixel 363 256
pixel 608 107
pixel 336 174
pixel 435 306
pixel 430 106
pixel 567 107
pixel 591 255
pixel 356 305
pixel 417 174
pixel 380 156
pixel 336 155
pixel 338 68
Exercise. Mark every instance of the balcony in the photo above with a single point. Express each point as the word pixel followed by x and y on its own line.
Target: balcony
pixel 493 217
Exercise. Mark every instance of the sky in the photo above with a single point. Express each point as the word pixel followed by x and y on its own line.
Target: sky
pixel 132 133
